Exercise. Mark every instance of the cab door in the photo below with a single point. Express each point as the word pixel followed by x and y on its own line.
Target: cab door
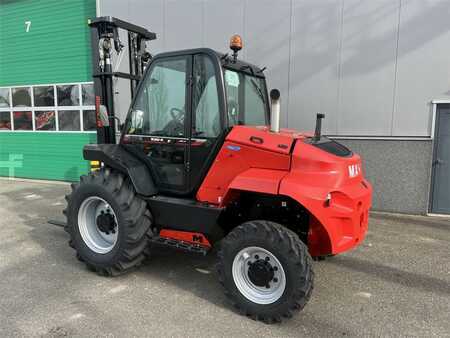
pixel 158 124
pixel 207 118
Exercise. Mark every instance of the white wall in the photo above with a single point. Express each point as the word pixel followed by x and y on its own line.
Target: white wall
pixel 372 66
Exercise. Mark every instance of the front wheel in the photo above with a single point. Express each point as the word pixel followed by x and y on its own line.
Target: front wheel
pixel 108 224
pixel 266 270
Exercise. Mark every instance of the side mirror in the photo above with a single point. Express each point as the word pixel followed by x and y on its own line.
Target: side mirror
pixel 103 116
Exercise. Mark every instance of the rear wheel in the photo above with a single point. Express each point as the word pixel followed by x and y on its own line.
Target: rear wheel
pixel 266 270
pixel 108 224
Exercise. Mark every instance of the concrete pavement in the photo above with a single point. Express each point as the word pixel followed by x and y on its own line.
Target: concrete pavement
pixel 396 284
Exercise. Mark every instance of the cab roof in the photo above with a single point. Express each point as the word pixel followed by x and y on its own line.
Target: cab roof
pixel 226 60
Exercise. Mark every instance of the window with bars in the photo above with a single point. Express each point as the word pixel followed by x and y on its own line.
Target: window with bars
pixel 53 107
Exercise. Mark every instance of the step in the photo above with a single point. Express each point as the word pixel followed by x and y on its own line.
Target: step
pixel 180 245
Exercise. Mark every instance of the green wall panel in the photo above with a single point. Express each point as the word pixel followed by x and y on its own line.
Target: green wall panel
pixel 44 155
pixel 56 47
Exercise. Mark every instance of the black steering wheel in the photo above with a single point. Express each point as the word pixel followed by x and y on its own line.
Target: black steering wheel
pixel 175 127
pixel 177 114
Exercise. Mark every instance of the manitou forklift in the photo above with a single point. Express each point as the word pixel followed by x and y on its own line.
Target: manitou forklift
pixel 201 163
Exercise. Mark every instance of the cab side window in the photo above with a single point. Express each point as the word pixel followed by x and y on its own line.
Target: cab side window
pixel 205 100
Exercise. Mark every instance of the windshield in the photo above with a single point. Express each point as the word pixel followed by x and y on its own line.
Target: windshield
pixel 246 98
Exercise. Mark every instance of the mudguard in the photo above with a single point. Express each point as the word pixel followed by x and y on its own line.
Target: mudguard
pixel 117 157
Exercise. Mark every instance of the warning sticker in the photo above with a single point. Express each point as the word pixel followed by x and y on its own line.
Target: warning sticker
pixel 232 78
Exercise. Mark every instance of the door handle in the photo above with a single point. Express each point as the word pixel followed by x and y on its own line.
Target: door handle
pixel 438 161
pixel 256 139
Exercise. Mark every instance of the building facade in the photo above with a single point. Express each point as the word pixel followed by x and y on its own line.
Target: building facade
pixel 377 69
pixel 46 97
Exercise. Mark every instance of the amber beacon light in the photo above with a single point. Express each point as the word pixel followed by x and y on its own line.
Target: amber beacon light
pixel 235 45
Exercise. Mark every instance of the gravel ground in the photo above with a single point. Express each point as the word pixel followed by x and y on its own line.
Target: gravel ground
pixel 395 284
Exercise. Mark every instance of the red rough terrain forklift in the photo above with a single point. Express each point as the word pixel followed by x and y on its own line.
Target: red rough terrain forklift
pixel 201 163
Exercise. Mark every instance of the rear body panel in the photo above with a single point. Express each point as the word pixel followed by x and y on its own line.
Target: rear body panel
pixel 330 187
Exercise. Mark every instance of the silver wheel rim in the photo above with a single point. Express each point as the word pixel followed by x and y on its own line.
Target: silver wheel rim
pixel 257 294
pixel 96 240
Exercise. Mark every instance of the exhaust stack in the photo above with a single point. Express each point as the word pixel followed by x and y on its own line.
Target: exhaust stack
pixel 275 110
pixel 318 131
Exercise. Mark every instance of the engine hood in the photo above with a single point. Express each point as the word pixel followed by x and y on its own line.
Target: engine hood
pixel 261 137
pixel 325 162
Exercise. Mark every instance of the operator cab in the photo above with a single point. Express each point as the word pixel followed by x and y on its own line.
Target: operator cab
pixel 185 105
